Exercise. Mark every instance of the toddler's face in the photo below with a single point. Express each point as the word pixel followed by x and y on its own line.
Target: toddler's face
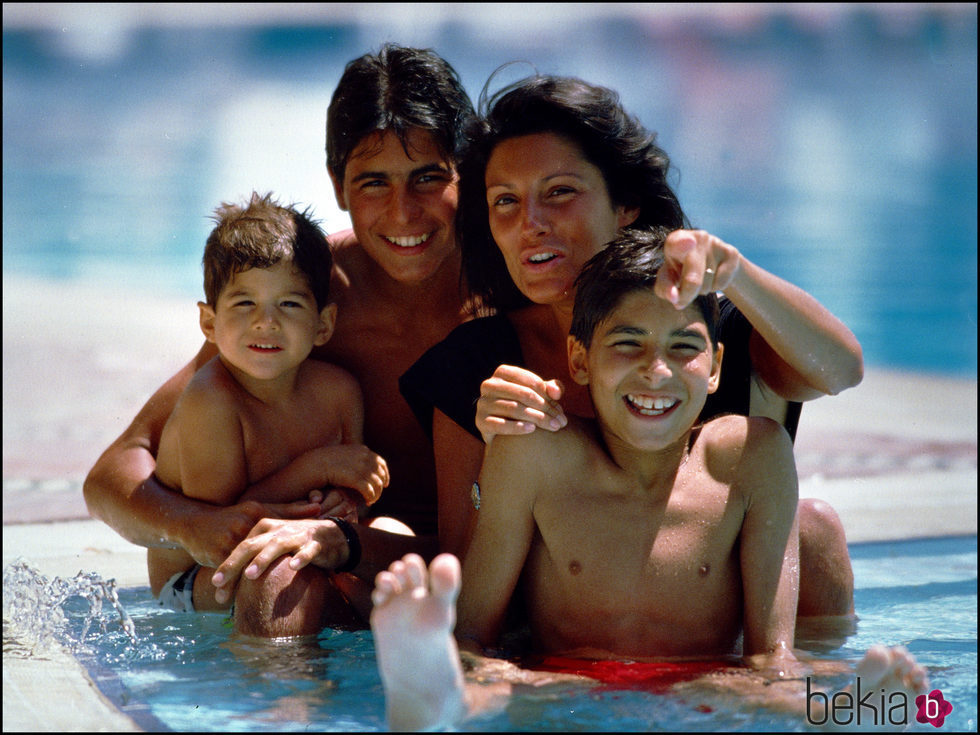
pixel 266 321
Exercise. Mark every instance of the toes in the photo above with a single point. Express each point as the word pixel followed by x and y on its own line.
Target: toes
pixel 445 576
pixel 386 586
pixel 415 571
pixel 875 663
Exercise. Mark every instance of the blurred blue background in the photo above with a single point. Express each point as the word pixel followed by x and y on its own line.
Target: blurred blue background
pixel 835 145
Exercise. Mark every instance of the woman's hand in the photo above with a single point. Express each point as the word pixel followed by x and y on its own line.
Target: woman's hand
pixel 315 541
pixel 516 401
pixel 695 263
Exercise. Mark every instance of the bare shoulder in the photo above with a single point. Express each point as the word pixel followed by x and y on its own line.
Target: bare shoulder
pixel 742 446
pixel 340 242
pixel 325 379
pixel 345 251
pixel 211 388
pixel 743 433
pixel 545 457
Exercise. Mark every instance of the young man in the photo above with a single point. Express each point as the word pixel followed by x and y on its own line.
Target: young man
pixel 639 535
pixel 396 284
pixel 261 403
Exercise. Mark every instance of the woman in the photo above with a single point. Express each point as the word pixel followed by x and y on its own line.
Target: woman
pixel 555 170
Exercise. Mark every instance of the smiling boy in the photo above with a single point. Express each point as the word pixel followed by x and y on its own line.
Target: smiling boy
pixel 677 537
pixel 258 405
pixel 638 536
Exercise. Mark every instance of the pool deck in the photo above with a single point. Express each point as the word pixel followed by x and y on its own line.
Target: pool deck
pixel 896 457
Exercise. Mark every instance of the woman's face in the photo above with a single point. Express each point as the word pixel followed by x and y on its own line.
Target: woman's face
pixel 549 212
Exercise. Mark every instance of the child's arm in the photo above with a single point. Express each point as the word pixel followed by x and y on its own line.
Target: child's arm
pixel 769 543
pixel 501 541
pixel 209 444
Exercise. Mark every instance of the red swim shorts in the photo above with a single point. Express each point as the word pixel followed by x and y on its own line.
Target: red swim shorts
pixel 655 677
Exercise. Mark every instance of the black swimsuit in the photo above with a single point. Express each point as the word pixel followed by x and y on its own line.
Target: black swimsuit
pixel 449 374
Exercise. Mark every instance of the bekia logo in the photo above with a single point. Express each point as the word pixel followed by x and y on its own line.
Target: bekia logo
pixel 933 708
pixel 873 707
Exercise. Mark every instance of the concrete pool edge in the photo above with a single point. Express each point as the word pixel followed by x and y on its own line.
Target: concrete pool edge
pixel 56 694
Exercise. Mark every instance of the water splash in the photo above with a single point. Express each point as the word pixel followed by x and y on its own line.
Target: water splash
pixel 41 613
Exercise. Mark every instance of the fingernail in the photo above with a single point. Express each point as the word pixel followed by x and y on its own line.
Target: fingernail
pixel 252 572
pixel 555 424
pixel 218 579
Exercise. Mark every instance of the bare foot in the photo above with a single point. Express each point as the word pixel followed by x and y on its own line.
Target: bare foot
pixel 412 620
pixel 894 670
pixel 884 676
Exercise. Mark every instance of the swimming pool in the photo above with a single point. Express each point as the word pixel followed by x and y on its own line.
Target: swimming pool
pixel 841 155
pixel 836 146
pixel 190 673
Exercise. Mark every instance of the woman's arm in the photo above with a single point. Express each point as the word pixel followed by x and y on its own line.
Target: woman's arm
pixel 458 458
pixel 501 542
pixel 803 350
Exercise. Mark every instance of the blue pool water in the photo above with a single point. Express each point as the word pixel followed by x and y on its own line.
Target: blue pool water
pixel 188 673
pixel 836 147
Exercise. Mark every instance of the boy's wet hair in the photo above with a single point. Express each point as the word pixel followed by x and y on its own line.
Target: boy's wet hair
pixel 634 168
pixel 629 263
pixel 397 89
pixel 259 235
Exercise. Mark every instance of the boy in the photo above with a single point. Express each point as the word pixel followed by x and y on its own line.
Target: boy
pixel 636 536
pixel 260 403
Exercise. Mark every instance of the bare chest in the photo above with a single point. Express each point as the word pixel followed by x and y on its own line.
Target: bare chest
pixel 663 578
pixel 274 436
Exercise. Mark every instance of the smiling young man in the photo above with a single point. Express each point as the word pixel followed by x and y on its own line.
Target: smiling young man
pixel 394 127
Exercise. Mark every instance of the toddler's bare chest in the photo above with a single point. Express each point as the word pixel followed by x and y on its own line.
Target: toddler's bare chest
pixel 273 438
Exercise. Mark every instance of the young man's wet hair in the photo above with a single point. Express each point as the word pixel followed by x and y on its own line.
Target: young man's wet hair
pixel 396 89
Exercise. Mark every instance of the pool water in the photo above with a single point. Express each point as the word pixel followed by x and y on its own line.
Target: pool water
pixel 835 146
pixel 189 673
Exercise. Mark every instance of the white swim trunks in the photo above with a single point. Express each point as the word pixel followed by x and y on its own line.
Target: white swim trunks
pixel 178 592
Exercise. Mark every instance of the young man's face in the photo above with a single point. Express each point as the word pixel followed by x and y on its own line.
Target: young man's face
pixel 649 369
pixel 266 321
pixel 402 205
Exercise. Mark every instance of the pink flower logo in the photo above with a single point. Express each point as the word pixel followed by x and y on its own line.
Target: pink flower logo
pixel 933 708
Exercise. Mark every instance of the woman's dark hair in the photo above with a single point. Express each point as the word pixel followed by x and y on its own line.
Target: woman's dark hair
pixel 629 263
pixel 633 166
pixel 396 89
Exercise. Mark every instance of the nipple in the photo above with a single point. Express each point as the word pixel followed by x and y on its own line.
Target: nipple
pixel 704 569
pixel 574 567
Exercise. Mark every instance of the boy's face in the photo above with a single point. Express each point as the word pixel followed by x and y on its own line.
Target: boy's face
pixel 649 368
pixel 266 321
pixel 402 207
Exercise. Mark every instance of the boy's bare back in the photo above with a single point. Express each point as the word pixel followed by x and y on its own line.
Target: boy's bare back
pixel 616 568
